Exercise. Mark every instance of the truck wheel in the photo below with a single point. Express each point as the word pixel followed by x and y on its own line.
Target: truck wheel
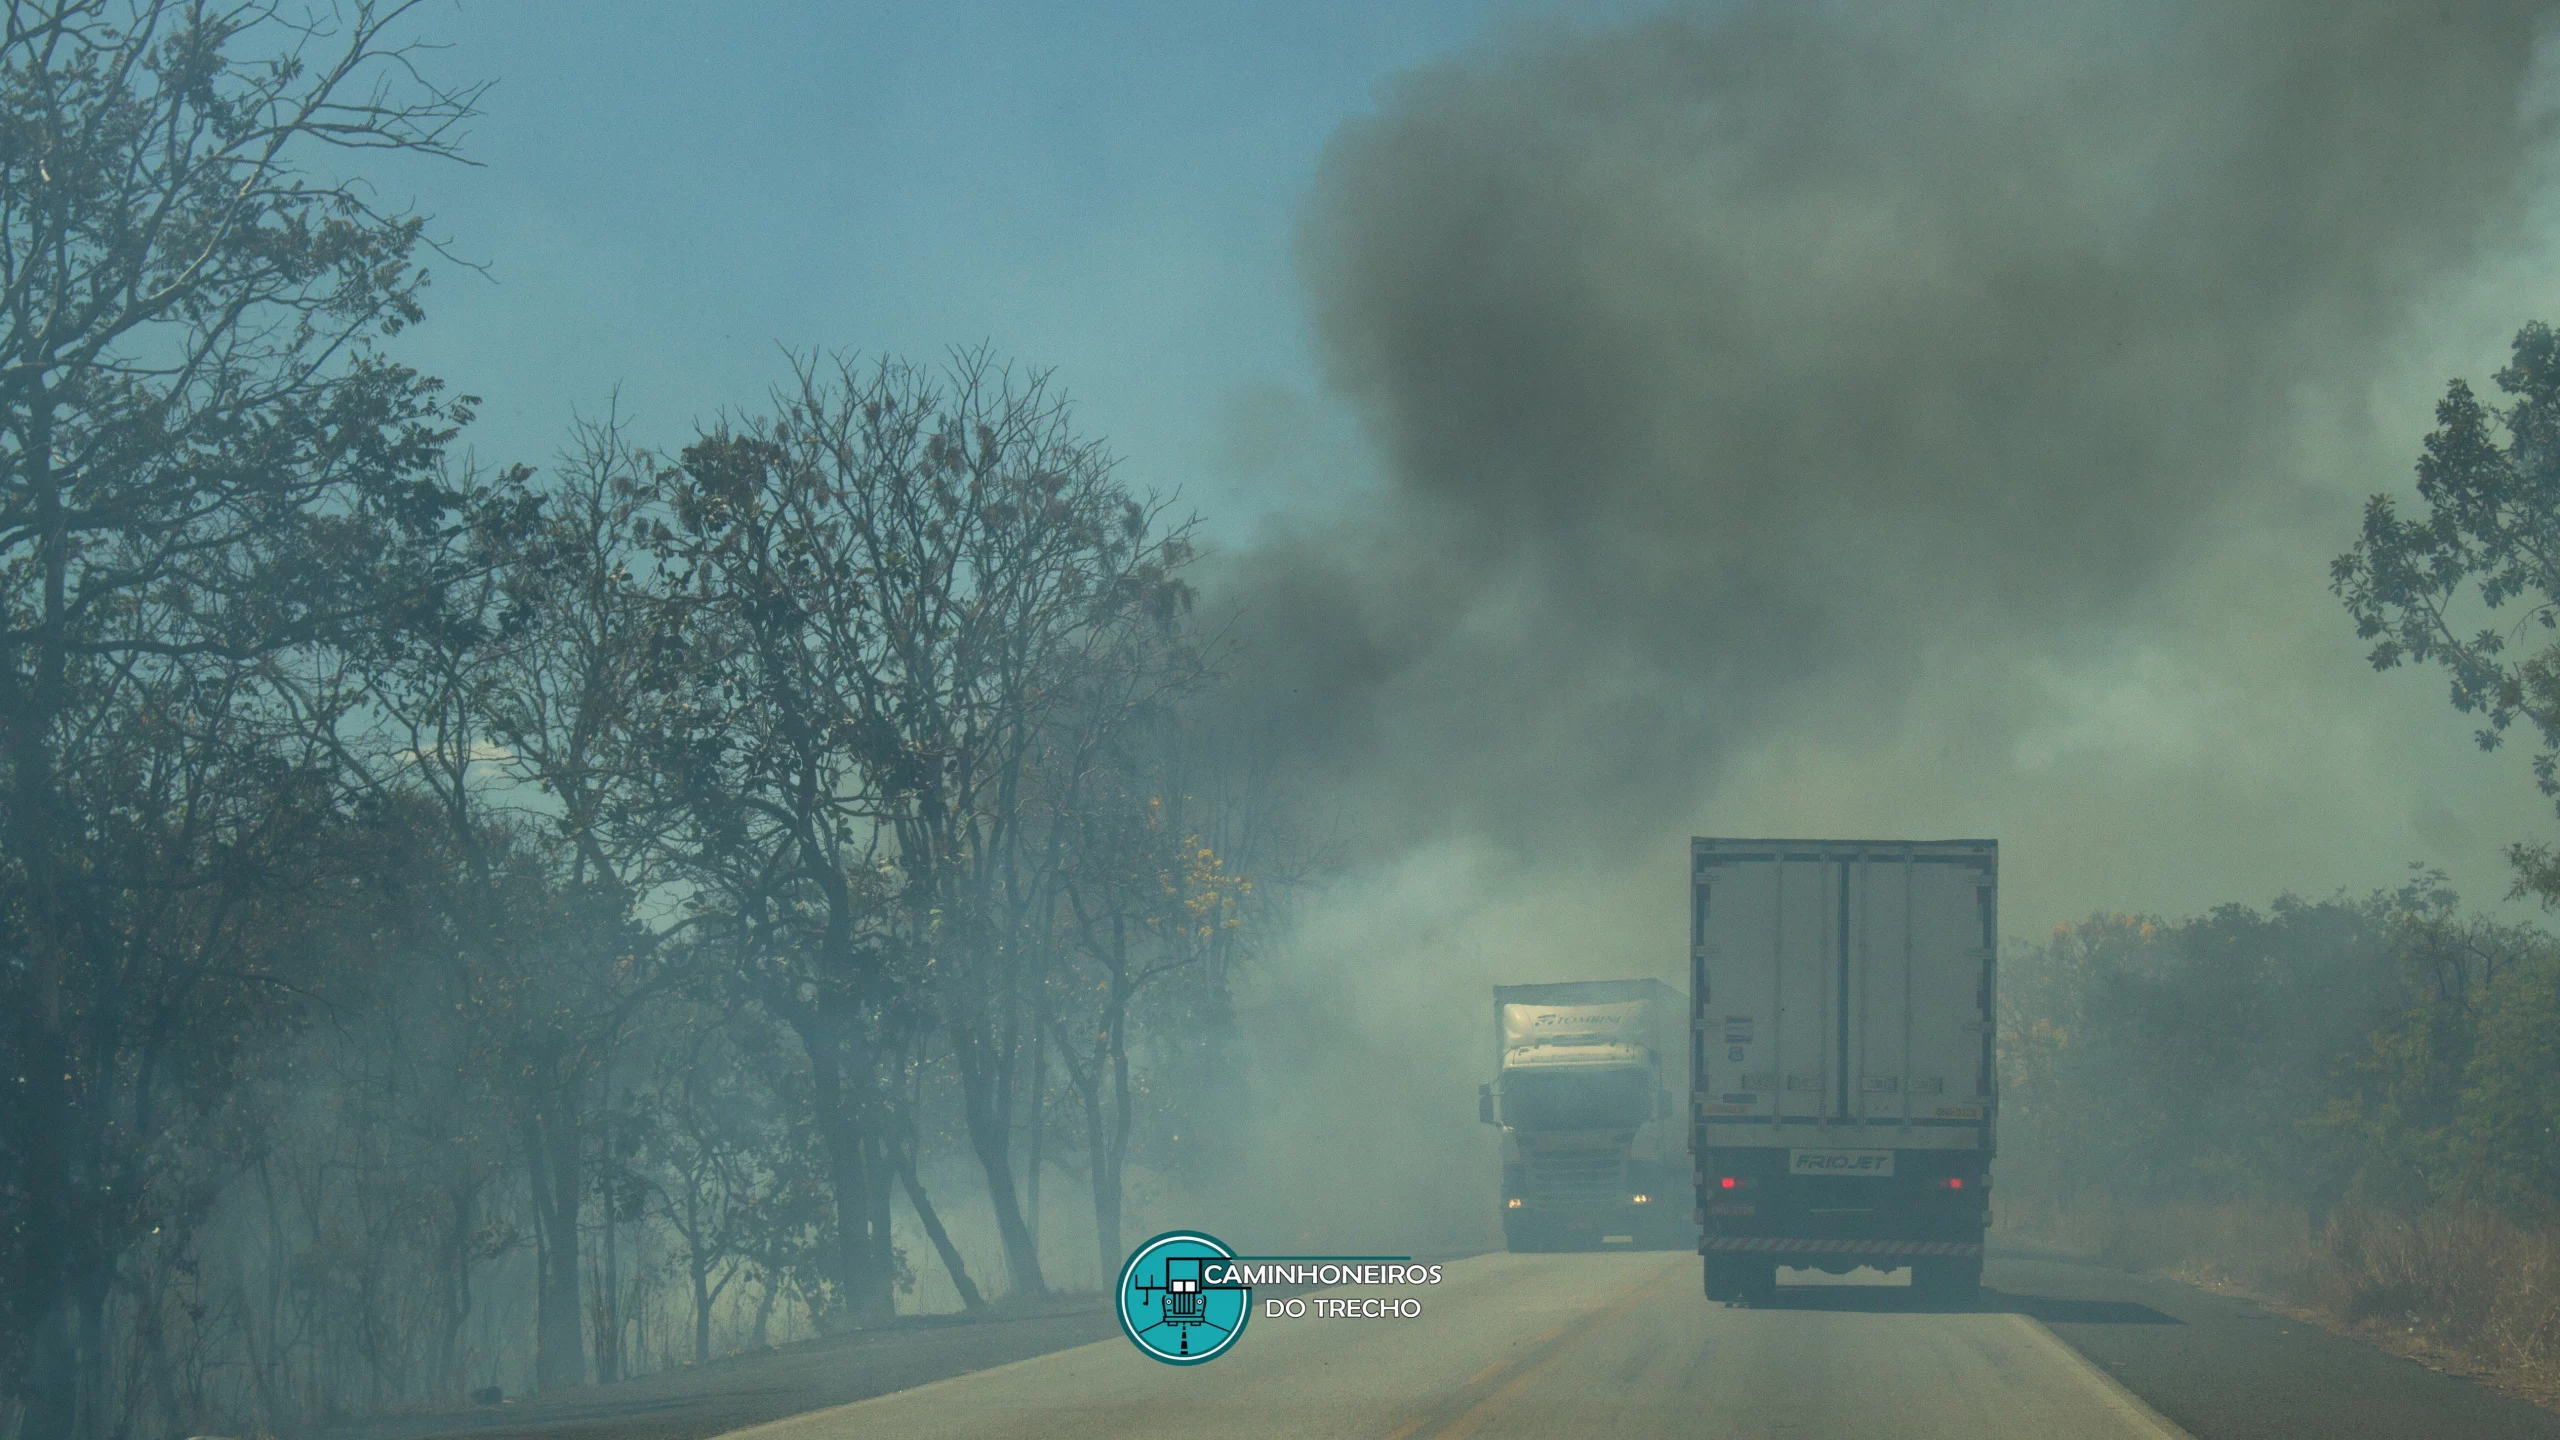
pixel 1724 1278
pixel 1955 1283
pixel 1760 1284
pixel 1741 1277
pixel 1522 1238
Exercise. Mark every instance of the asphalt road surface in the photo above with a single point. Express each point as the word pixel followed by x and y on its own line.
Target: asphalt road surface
pixel 1625 1345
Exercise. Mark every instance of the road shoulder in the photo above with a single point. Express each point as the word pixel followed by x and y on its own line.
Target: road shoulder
pixel 696 1402
pixel 2227 1368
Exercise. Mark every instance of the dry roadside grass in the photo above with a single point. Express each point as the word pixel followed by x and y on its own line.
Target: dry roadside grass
pixel 2460 1289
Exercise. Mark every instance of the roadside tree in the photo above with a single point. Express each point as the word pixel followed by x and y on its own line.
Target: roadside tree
pixel 2472 584
pixel 206 470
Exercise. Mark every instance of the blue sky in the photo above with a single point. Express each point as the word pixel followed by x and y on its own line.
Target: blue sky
pixel 667 192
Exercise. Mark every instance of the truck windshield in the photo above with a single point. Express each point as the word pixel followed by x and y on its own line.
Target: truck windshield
pixel 1576 1100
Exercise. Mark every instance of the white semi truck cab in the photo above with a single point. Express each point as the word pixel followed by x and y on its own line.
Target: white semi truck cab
pixel 1844 1099
pixel 1593 1150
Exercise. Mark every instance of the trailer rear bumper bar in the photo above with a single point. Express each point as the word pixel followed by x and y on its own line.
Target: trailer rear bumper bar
pixel 1774 1244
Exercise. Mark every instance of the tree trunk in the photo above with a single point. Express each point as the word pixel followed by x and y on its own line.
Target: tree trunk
pixel 951 1261
pixel 453 1282
pixel 634 1302
pixel 880 1171
pixel 40 1270
pixel 1106 1219
pixel 559 1353
pixel 609 1310
pixel 1111 1150
pixel 45 1302
pixel 94 1389
pixel 984 1106
pixel 268 1372
pixel 701 1269
pixel 764 1310
pixel 152 1331
pixel 1102 1171
pixel 863 1280
pixel 1033 1159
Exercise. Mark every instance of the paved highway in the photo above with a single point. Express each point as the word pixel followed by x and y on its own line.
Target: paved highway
pixel 1619 1345
pixel 1540 1345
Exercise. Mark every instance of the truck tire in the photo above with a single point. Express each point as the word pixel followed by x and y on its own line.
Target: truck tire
pixel 1760 1284
pixel 1742 1277
pixel 1953 1283
pixel 1724 1278
pixel 1522 1238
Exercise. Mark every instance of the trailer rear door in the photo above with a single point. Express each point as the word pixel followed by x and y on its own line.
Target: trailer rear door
pixel 1844 992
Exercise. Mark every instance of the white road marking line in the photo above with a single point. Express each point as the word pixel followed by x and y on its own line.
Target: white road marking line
pixel 2139 1419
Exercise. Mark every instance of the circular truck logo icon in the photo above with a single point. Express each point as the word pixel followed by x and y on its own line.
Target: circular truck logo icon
pixel 1176 1302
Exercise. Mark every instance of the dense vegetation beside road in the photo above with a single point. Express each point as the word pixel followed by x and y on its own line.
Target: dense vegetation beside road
pixel 2353 1102
pixel 452 914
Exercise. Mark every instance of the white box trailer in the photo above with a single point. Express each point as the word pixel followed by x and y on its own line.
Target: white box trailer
pixel 1843 1093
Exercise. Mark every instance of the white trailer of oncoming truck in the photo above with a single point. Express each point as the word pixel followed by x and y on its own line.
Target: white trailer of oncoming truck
pixel 1843 1093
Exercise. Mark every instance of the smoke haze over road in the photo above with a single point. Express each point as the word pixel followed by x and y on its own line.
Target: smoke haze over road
pixel 1921 420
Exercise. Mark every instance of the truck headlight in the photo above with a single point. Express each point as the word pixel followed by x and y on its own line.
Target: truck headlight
pixel 1514 1202
pixel 1642 1199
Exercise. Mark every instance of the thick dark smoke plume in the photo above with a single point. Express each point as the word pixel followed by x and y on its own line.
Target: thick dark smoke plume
pixel 1926 419
pixel 1730 351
